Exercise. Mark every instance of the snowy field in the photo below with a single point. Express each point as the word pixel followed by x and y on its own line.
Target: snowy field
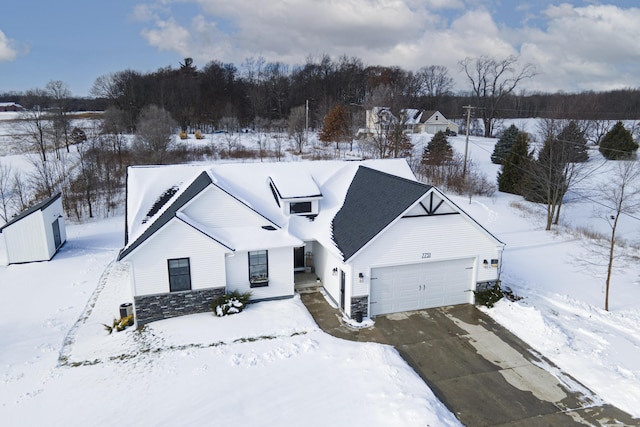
pixel 271 365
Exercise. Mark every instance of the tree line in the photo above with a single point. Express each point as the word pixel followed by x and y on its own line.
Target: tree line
pixel 258 93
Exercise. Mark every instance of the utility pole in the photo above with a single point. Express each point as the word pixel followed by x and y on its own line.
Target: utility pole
pixel 306 124
pixel 466 142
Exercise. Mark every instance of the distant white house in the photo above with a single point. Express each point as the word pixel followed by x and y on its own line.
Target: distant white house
pixel 378 240
pixel 379 119
pixel 36 234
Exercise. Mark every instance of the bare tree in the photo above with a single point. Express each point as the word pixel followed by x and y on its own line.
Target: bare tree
pixel 622 194
pixel 434 82
pixel 33 129
pixel 492 79
pixel 155 135
pixel 598 130
pixel 6 192
pixel 20 191
pixel 230 124
pixel 59 94
pixel 297 127
pixel 113 129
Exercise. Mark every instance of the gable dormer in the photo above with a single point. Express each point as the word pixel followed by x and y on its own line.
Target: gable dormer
pixel 296 194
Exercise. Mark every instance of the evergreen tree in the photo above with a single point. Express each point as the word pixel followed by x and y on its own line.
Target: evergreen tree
pixel 511 178
pixel 618 143
pixel 575 143
pixel 504 144
pixel 336 126
pixel 438 151
pixel 546 179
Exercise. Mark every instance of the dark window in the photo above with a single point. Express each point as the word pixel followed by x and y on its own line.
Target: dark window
pixel 179 275
pixel 300 207
pixel 258 268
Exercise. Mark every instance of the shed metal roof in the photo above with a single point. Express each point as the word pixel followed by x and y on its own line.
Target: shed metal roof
pixel 37 207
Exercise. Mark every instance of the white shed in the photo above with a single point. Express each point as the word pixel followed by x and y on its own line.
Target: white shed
pixel 36 234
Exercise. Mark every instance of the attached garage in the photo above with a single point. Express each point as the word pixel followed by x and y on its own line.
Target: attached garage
pixel 423 285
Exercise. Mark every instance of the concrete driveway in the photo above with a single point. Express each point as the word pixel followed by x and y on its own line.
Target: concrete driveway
pixel 480 371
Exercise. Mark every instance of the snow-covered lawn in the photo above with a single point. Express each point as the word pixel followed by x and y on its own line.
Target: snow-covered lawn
pixel 269 365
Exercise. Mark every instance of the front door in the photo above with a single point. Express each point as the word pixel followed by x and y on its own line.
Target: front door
pixel 57 240
pixel 298 259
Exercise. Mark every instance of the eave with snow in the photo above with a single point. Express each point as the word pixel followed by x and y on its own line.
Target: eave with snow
pixel 378 240
pixel 35 234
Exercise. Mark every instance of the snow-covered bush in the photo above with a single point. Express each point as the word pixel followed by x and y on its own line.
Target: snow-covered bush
pixel 230 303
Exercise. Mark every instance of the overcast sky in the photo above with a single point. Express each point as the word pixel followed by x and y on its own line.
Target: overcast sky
pixel 576 45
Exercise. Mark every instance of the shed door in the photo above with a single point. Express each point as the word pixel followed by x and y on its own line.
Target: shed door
pixel 417 286
pixel 56 234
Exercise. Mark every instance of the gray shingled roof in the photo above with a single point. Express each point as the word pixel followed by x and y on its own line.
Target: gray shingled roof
pixel 374 199
pixel 37 207
pixel 199 184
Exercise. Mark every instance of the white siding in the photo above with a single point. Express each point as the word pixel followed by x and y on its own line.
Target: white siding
pixel 31 238
pixel 26 240
pixel 280 274
pixel 424 239
pixel 325 262
pixel 3 251
pixel 215 208
pixel 177 240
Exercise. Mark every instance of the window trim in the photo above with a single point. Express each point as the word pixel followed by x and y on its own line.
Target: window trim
pixel 169 268
pixel 263 281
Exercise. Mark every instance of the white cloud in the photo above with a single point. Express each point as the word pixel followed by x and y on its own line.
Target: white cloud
pixel 587 47
pixel 7 50
pixel 441 4
pixel 169 35
pixel 577 47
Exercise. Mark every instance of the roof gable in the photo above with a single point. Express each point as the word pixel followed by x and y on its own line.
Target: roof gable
pixel 434 117
pixel 199 184
pixel 37 207
pixel 373 201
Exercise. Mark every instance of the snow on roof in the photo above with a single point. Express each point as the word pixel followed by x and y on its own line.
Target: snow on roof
pixel 293 187
pixel 244 238
pixel 145 186
pixel 249 183
pixel 412 115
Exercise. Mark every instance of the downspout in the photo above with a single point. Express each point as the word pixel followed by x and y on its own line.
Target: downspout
pixel 126 213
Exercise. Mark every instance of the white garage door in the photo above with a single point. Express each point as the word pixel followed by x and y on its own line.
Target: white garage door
pixel 418 286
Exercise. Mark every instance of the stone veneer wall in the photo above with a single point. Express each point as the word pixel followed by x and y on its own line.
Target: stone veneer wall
pixel 149 308
pixel 360 304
